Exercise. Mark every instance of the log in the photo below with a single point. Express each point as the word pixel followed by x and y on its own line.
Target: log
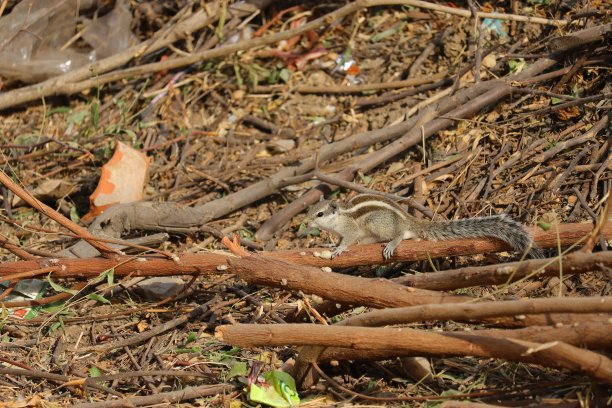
pixel 591 335
pixel 377 293
pixel 574 263
pixel 420 342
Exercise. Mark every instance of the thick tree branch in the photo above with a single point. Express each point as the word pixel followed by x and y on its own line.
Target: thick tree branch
pixel 420 342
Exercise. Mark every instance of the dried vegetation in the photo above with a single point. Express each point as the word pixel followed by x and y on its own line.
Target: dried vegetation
pixel 249 113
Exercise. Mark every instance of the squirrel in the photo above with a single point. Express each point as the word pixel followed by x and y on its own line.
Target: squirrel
pixel 369 218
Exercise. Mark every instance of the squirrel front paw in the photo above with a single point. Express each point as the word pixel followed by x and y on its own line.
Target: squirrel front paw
pixel 336 252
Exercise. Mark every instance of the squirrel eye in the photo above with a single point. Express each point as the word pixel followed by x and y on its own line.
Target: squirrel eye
pixel 320 214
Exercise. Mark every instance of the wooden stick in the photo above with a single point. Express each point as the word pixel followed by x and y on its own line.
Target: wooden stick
pixel 410 250
pixel 480 310
pixel 462 311
pixel 371 254
pixel 591 335
pixel 377 293
pixel 420 342
pixel 573 263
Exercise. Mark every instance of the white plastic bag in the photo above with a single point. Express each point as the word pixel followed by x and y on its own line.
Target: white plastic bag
pixel 34 38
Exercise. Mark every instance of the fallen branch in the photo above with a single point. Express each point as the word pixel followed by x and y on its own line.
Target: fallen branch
pixel 377 293
pixel 419 342
pixel 462 311
pixel 591 335
pixel 480 310
pixel 410 250
pixel 371 254
pixel 573 263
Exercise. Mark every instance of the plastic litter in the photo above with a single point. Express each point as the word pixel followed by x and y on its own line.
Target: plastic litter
pixel 37 39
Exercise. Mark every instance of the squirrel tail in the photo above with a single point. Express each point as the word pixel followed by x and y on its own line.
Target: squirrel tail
pixel 497 226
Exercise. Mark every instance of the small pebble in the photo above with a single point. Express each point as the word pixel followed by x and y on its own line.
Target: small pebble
pixel 222 267
pixel 326 269
pixel 326 255
pixel 283 282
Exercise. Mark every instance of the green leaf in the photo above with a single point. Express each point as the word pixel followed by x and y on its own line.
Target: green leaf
pixel 285 75
pixel 108 274
pixel 132 135
pixel 237 369
pixel 516 65
pixel 55 308
pixel 388 33
pixel 544 225
pixel 304 231
pixel 55 326
pixel 74 215
pixel 27 139
pixel 98 298
pixel 78 117
pixel 59 288
pixel 555 101
pixel 281 393
pixel 191 337
pixel 94 372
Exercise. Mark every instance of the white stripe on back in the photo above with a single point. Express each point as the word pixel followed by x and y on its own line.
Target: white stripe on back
pixel 381 204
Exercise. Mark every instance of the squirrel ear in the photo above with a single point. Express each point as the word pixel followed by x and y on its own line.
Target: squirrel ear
pixel 333 205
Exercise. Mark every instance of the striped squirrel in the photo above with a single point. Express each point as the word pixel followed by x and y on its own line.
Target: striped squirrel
pixel 369 218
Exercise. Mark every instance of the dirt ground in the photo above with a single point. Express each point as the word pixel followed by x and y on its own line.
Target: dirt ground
pixel 216 126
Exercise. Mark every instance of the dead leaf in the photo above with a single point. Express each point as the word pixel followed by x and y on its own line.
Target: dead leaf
pixel 443 177
pixel 395 167
pixel 417 368
pixel 48 190
pixel 142 326
pixel 568 113
pixel 35 401
pixel 489 61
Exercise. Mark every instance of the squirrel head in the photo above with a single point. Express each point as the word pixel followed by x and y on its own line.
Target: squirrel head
pixel 322 215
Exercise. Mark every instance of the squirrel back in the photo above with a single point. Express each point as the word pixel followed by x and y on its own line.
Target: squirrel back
pixel 497 226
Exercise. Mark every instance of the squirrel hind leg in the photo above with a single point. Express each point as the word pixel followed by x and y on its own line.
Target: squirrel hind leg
pixel 390 247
